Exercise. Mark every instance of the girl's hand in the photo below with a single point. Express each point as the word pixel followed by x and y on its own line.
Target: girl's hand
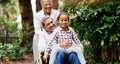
pixel 75 45
pixel 65 44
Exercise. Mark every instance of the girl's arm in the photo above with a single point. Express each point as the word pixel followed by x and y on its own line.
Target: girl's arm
pixel 76 40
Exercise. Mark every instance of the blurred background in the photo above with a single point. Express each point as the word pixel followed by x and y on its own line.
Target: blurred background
pixel 96 22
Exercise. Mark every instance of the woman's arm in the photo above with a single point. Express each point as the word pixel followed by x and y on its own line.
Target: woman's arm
pixel 38 24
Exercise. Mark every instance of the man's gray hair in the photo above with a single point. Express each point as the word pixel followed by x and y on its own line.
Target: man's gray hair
pixel 45 18
pixel 44 0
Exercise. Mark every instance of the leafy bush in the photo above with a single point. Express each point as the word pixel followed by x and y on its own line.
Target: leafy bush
pixel 98 30
pixel 12 51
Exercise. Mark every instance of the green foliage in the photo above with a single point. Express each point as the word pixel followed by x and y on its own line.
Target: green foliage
pixel 13 51
pixel 29 49
pixel 8 15
pixel 9 7
pixel 9 26
pixel 99 26
pixel 4 2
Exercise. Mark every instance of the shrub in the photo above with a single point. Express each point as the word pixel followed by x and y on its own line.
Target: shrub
pixel 99 28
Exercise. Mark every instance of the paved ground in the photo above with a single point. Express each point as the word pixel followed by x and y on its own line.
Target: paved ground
pixel 17 62
pixel 28 59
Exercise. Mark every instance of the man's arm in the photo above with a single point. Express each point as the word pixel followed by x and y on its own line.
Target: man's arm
pixel 51 43
pixel 41 43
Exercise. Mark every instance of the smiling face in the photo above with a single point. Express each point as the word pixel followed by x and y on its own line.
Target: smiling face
pixel 63 21
pixel 49 25
pixel 47 6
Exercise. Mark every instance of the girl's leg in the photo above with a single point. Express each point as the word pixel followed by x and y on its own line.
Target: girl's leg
pixel 79 53
pixel 73 58
pixel 53 54
pixel 60 58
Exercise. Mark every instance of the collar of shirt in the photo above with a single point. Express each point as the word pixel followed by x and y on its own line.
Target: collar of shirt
pixel 45 31
pixel 51 15
pixel 63 30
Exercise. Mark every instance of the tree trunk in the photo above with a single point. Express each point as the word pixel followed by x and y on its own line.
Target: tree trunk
pixel 38 5
pixel 55 4
pixel 98 2
pixel 96 45
pixel 27 21
pixel 108 51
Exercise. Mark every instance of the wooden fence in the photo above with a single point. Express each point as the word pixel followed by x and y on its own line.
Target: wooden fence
pixel 7 36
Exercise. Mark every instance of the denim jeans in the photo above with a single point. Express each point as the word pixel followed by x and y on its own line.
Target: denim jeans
pixel 63 58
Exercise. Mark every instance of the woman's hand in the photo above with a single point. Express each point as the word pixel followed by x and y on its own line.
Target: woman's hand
pixel 45 58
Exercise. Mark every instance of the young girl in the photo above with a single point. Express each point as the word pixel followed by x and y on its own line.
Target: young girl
pixel 64 33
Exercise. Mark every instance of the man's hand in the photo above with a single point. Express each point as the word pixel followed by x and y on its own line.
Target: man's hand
pixel 45 57
pixel 64 44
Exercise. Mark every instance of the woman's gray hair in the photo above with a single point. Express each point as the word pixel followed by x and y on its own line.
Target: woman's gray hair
pixel 44 0
pixel 45 18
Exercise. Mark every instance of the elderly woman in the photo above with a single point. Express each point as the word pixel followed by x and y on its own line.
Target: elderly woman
pixel 38 45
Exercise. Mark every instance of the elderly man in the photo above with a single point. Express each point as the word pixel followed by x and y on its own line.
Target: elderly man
pixel 48 27
pixel 37 40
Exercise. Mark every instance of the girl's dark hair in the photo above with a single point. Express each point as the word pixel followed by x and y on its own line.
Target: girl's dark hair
pixel 63 13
